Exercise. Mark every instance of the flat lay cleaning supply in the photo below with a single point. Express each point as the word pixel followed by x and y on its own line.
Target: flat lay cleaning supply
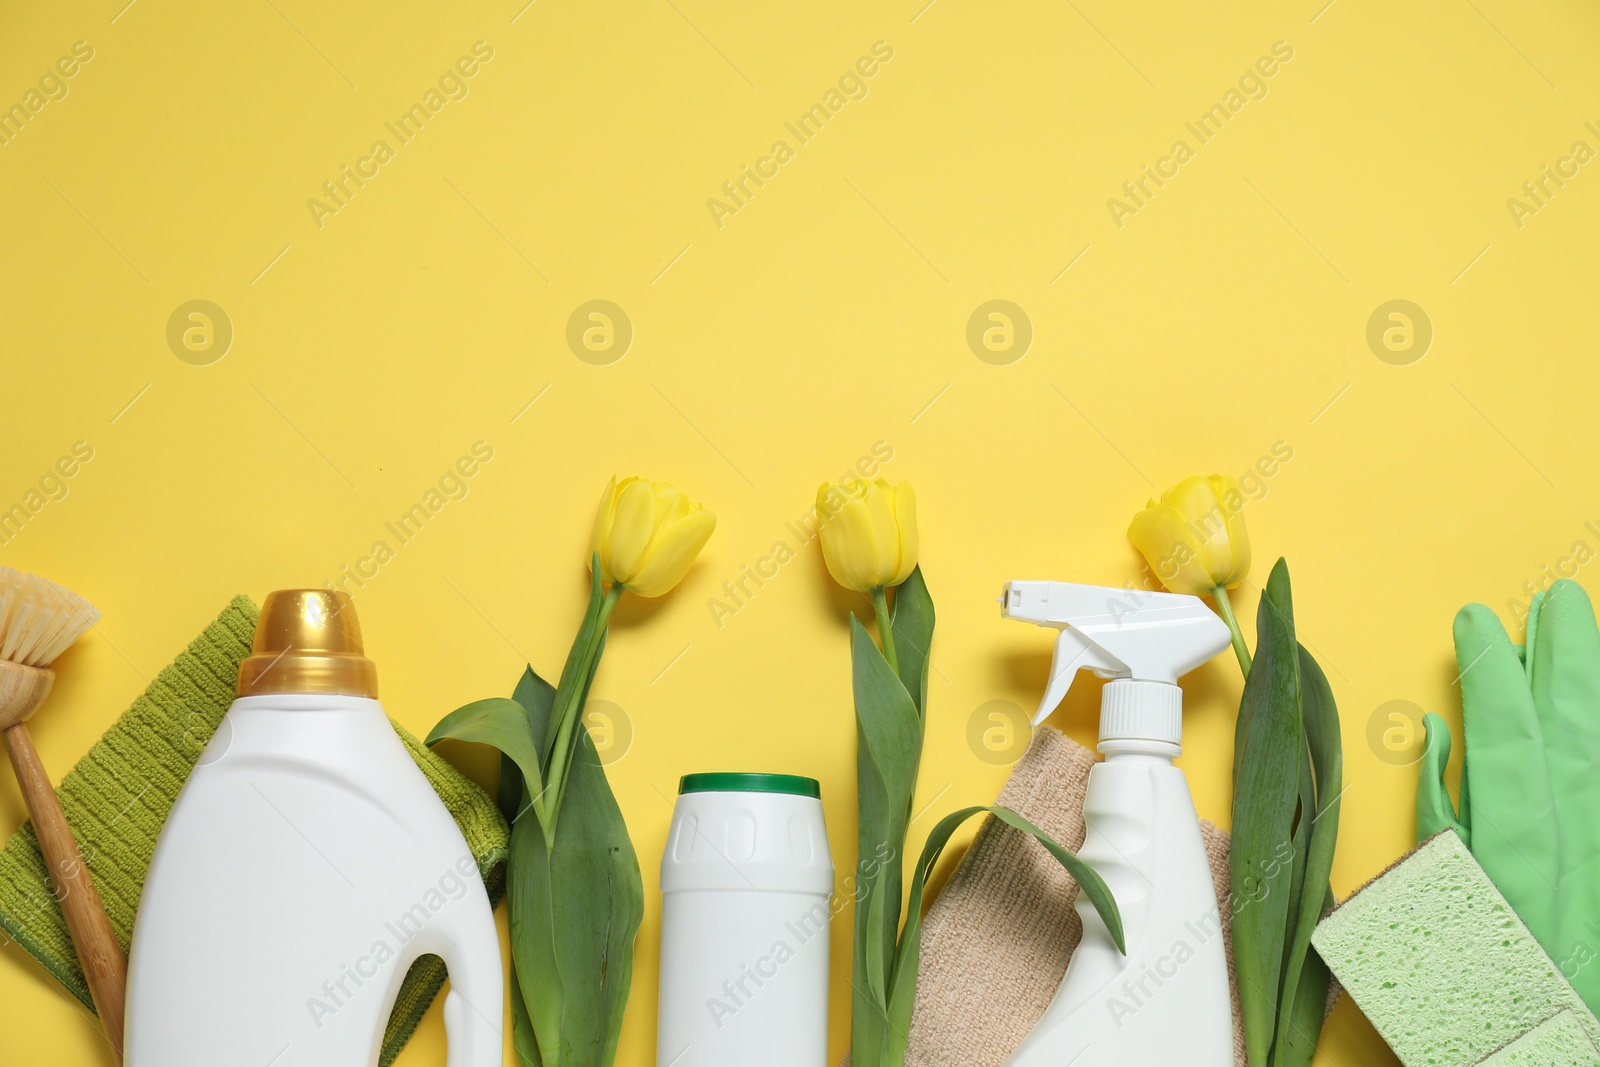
pixel 39 620
pixel 118 795
pixel 1530 780
pixel 746 882
pixel 1001 933
pixel 576 894
pixel 305 866
pixel 1288 766
pixel 1440 964
pixel 869 542
pixel 1142 834
pixel 1288 763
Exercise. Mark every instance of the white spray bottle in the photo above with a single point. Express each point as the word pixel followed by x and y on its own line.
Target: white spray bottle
pixel 1166 1002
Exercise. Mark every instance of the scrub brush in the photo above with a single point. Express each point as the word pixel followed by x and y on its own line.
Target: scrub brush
pixel 38 621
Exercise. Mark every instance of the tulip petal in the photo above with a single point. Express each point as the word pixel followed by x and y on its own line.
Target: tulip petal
pixel 603 520
pixel 1160 534
pixel 631 530
pixel 673 552
pixel 885 545
pixel 1238 537
pixel 1206 524
pixel 1194 537
pixel 1220 528
pixel 847 542
pixel 670 503
pixel 905 520
pixel 868 532
pixel 829 502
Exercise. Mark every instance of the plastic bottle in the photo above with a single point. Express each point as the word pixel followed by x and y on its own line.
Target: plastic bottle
pixel 745 885
pixel 1166 1002
pixel 306 864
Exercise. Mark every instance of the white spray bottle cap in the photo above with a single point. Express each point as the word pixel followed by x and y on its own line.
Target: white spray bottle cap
pixel 1143 641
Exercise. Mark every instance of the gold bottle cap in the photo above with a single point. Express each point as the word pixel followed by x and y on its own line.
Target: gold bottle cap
pixel 308 641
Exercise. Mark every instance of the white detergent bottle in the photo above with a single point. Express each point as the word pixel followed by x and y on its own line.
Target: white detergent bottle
pixel 306 865
pixel 1167 1001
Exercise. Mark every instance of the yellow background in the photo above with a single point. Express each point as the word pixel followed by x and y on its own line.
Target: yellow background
pixel 830 312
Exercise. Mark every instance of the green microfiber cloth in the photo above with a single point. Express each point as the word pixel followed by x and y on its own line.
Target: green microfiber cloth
pixel 1437 960
pixel 1557 1042
pixel 120 793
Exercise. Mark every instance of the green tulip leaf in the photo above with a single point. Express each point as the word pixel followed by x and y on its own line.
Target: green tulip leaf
pixel 504 723
pixel 1089 881
pixel 1293 960
pixel 903 995
pixel 1266 792
pixel 1301 1023
pixel 572 691
pixel 576 909
pixel 889 749
pixel 535 695
pixel 913 636
pixel 523 1042
pixel 530 899
pixel 575 906
pixel 1320 831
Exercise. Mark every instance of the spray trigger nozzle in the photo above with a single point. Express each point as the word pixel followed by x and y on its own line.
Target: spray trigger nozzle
pixel 1116 633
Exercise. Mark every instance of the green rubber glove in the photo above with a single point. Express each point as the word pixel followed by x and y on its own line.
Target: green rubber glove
pixel 1530 783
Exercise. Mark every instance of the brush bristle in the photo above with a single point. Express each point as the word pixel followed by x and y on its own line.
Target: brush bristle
pixel 39 619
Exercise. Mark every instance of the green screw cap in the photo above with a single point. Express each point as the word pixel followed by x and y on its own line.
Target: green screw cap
pixel 745 782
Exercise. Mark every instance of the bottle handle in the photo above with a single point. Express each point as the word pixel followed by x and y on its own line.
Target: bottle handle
pixel 474 1007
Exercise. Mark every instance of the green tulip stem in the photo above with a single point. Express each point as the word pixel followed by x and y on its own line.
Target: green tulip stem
pixel 1225 609
pixel 566 717
pixel 880 604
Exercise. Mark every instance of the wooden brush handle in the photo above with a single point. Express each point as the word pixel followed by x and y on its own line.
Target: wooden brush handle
pixel 104 967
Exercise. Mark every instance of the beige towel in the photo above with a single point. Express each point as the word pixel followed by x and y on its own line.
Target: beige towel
pixel 997 940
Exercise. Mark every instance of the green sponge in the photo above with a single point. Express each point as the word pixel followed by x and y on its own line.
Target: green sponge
pixel 1442 966
pixel 1557 1042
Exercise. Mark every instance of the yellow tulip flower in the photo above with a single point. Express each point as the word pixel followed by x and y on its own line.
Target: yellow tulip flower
pixel 1194 537
pixel 869 533
pixel 647 535
pixel 1195 541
